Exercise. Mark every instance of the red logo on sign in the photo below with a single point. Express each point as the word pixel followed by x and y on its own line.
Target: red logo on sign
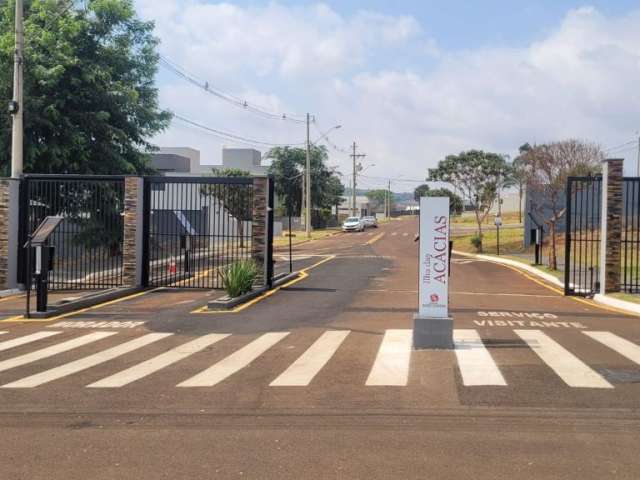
pixel 434 298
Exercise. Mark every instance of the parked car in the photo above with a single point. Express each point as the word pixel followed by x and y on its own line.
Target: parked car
pixel 353 224
pixel 370 222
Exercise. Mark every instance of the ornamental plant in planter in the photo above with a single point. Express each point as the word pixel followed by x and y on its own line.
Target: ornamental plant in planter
pixel 237 278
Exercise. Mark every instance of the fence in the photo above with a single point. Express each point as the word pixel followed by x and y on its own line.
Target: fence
pixel 582 235
pixel 630 247
pixel 196 225
pixel 88 244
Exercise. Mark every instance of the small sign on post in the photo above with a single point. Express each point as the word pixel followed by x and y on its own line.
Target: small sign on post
pixel 433 327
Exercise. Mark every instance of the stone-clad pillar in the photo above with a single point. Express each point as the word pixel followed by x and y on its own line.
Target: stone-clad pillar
pixel 9 226
pixel 133 239
pixel 259 225
pixel 611 231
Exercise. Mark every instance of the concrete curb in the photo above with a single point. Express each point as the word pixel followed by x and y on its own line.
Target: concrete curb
pixel 598 298
pixel 8 293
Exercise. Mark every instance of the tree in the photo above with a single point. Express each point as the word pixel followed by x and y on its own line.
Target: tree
pixel 549 166
pixel 456 205
pixel 520 175
pixel 378 198
pixel 288 167
pixel 477 175
pixel 421 191
pixel 235 199
pixel 90 100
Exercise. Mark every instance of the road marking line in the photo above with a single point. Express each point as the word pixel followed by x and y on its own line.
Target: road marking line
pixel 391 366
pixel 405 234
pixel 375 239
pixel 2 333
pixel 86 362
pixel 234 362
pixel 488 294
pixel 567 366
pixel 159 362
pixel 16 342
pixel 53 350
pixel 476 364
pixel 619 344
pixel 306 367
pixel 394 234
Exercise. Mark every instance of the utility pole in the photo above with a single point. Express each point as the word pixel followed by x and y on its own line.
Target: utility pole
pixel 307 191
pixel 389 200
pixel 355 157
pixel 16 106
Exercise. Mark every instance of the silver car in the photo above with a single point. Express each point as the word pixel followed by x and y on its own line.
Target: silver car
pixel 370 222
pixel 353 224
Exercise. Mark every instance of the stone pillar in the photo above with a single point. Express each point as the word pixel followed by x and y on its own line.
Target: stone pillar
pixel 611 230
pixel 9 227
pixel 133 238
pixel 259 225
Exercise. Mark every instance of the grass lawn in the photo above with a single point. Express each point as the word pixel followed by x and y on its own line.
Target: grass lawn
pixel 468 219
pixel 626 297
pixel 299 237
pixel 511 241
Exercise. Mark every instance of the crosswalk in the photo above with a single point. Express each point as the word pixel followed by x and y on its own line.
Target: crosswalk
pixel 478 364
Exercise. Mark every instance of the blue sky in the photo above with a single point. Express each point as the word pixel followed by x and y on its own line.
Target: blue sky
pixel 409 81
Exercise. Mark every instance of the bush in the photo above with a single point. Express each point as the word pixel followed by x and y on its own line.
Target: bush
pixel 237 278
pixel 476 241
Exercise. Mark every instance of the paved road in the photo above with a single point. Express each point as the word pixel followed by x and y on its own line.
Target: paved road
pixel 319 381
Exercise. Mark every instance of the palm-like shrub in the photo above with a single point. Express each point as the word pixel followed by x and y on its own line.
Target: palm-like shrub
pixel 237 278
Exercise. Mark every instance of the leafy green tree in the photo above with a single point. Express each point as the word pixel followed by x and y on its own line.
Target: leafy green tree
pixel 477 175
pixel 287 169
pixel 421 191
pixel 378 198
pixel 90 100
pixel 456 204
pixel 520 175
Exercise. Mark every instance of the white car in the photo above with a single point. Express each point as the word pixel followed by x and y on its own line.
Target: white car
pixel 370 222
pixel 353 224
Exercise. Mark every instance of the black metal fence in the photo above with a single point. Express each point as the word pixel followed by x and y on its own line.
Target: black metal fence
pixel 582 235
pixel 194 226
pixel 88 243
pixel 630 248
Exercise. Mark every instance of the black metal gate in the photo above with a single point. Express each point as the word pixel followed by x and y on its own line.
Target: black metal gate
pixel 630 275
pixel 88 243
pixel 582 235
pixel 194 226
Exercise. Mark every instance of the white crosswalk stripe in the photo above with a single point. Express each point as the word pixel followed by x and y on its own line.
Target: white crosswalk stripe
pixel 394 234
pixel 475 363
pixel 86 362
pixel 234 362
pixel 391 367
pixel 16 342
pixel 567 366
pixel 2 333
pixel 159 362
pixel 618 344
pixel 53 350
pixel 307 366
pixel 405 234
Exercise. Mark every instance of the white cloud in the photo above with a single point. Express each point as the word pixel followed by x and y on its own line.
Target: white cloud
pixel 579 81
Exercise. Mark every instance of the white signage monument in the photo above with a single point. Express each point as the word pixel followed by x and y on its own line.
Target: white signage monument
pixel 433 327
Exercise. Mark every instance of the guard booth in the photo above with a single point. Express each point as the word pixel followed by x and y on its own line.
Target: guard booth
pixel 40 256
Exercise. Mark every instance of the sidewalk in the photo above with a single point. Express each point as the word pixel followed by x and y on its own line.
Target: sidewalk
pixel 607 300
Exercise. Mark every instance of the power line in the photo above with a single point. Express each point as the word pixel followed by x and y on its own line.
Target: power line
pixel 233 100
pixel 617 147
pixel 232 136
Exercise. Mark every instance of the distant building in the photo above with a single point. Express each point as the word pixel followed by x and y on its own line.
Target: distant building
pixel 178 161
pixel 362 206
pixel 247 159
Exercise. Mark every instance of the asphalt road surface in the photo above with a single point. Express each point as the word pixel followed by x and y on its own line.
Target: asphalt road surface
pixel 319 381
